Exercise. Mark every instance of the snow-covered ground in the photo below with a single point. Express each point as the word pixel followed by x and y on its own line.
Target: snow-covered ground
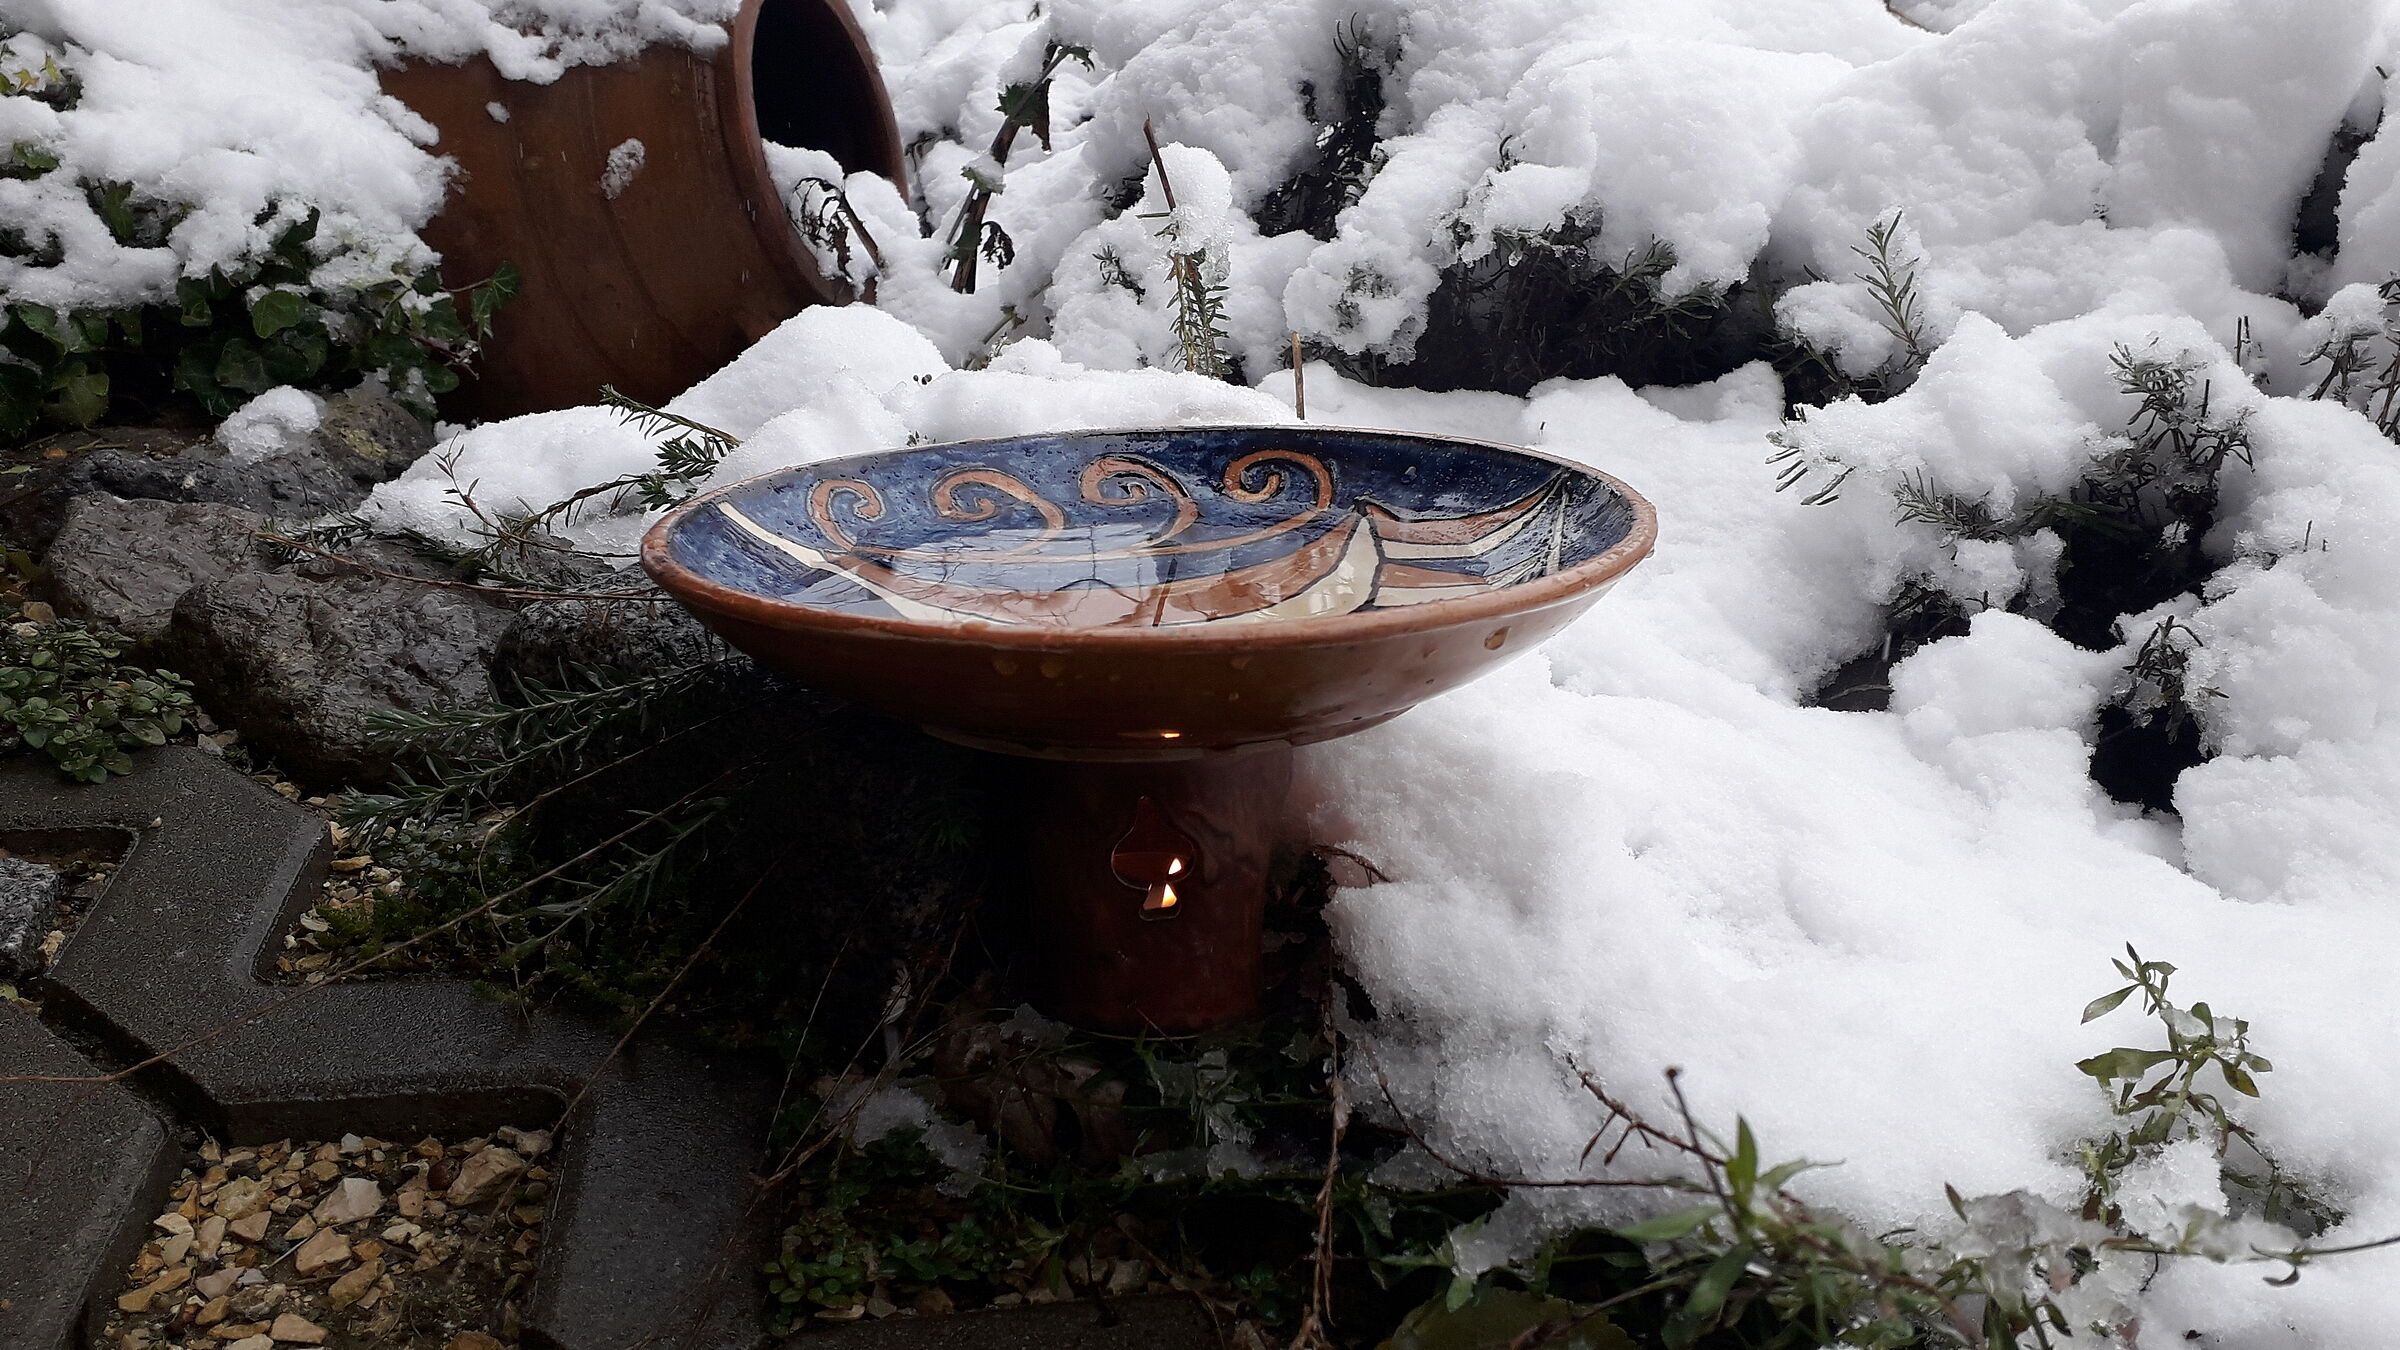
pixel 1870 933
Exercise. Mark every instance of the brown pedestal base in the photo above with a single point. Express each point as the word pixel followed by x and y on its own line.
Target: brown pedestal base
pixel 1145 888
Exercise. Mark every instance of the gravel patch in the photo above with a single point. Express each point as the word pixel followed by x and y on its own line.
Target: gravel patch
pixel 350 1244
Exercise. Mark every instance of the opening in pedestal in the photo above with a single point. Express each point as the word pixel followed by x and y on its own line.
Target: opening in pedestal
pixel 1145 888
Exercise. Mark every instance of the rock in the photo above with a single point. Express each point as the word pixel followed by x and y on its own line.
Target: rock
pixel 528 1143
pixel 484 1174
pixel 127 562
pixel 363 439
pixel 301 659
pixel 354 1286
pixel 253 1343
pixel 297 1330
pixel 934 1303
pixel 327 1248
pixel 356 1198
pixel 217 1285
pixel 171 1223
pixel 1127 1277
pixel 250 1228
pixel 551 639
pixel 242 1198
pixel 474 1340
pixel 211 1236
pixel 139 1300
pixel 29 896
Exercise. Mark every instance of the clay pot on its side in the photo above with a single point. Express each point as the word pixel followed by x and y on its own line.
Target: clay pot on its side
pixel 651 279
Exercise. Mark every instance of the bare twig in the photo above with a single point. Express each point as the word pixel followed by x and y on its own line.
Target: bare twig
pixel 1165 184
pixel 1487 1179
pixel 1317 1321
pixel 1299 382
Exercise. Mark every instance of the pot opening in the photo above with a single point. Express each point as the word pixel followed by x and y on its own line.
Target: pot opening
pixel 812 85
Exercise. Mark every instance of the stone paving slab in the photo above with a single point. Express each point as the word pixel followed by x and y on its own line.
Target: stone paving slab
pixel 656 1232
pixel 81 1170
pixel 656 1228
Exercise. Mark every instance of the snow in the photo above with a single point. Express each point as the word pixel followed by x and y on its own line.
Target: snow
pixel 624 163
pixel 1870 934
pixel 274 423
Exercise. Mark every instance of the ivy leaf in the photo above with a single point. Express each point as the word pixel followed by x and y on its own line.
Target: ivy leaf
pixel 79 395
pixel 196 373
pixel 241 367
pixel 114 204
pixel 20 398
pixel 296 354
pixel 275 311
pixel 485 300
pixel 192 296
pixel 44 321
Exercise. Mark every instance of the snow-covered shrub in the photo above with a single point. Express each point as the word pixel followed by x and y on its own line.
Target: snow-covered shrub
pixel 295 308
pixel 2357 340
pixel 203 201
pixel 2093 538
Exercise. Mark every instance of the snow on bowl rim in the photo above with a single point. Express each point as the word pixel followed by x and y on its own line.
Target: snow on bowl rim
pixel 707 596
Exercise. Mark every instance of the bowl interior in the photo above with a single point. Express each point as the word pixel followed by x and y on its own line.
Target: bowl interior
pixel 1151 528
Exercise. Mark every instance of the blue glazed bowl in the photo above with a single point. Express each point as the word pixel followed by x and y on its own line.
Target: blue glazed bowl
pixel 1153 592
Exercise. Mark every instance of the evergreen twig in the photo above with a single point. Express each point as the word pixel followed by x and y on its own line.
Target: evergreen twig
pixel 1199 292
pixel 1891 278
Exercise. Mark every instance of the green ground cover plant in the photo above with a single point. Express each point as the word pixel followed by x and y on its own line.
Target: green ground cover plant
pixel 66 695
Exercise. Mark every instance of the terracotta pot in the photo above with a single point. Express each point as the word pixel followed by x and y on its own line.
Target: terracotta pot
pixel 693 257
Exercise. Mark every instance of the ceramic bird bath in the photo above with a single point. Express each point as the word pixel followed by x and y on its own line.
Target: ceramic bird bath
pixel 1151 619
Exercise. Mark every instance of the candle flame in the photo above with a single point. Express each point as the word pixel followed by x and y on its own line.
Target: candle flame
pixel 1175 867
pixel 1161 898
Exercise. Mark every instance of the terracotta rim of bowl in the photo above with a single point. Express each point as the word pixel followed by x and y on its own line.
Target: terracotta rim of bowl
pixel 698 591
